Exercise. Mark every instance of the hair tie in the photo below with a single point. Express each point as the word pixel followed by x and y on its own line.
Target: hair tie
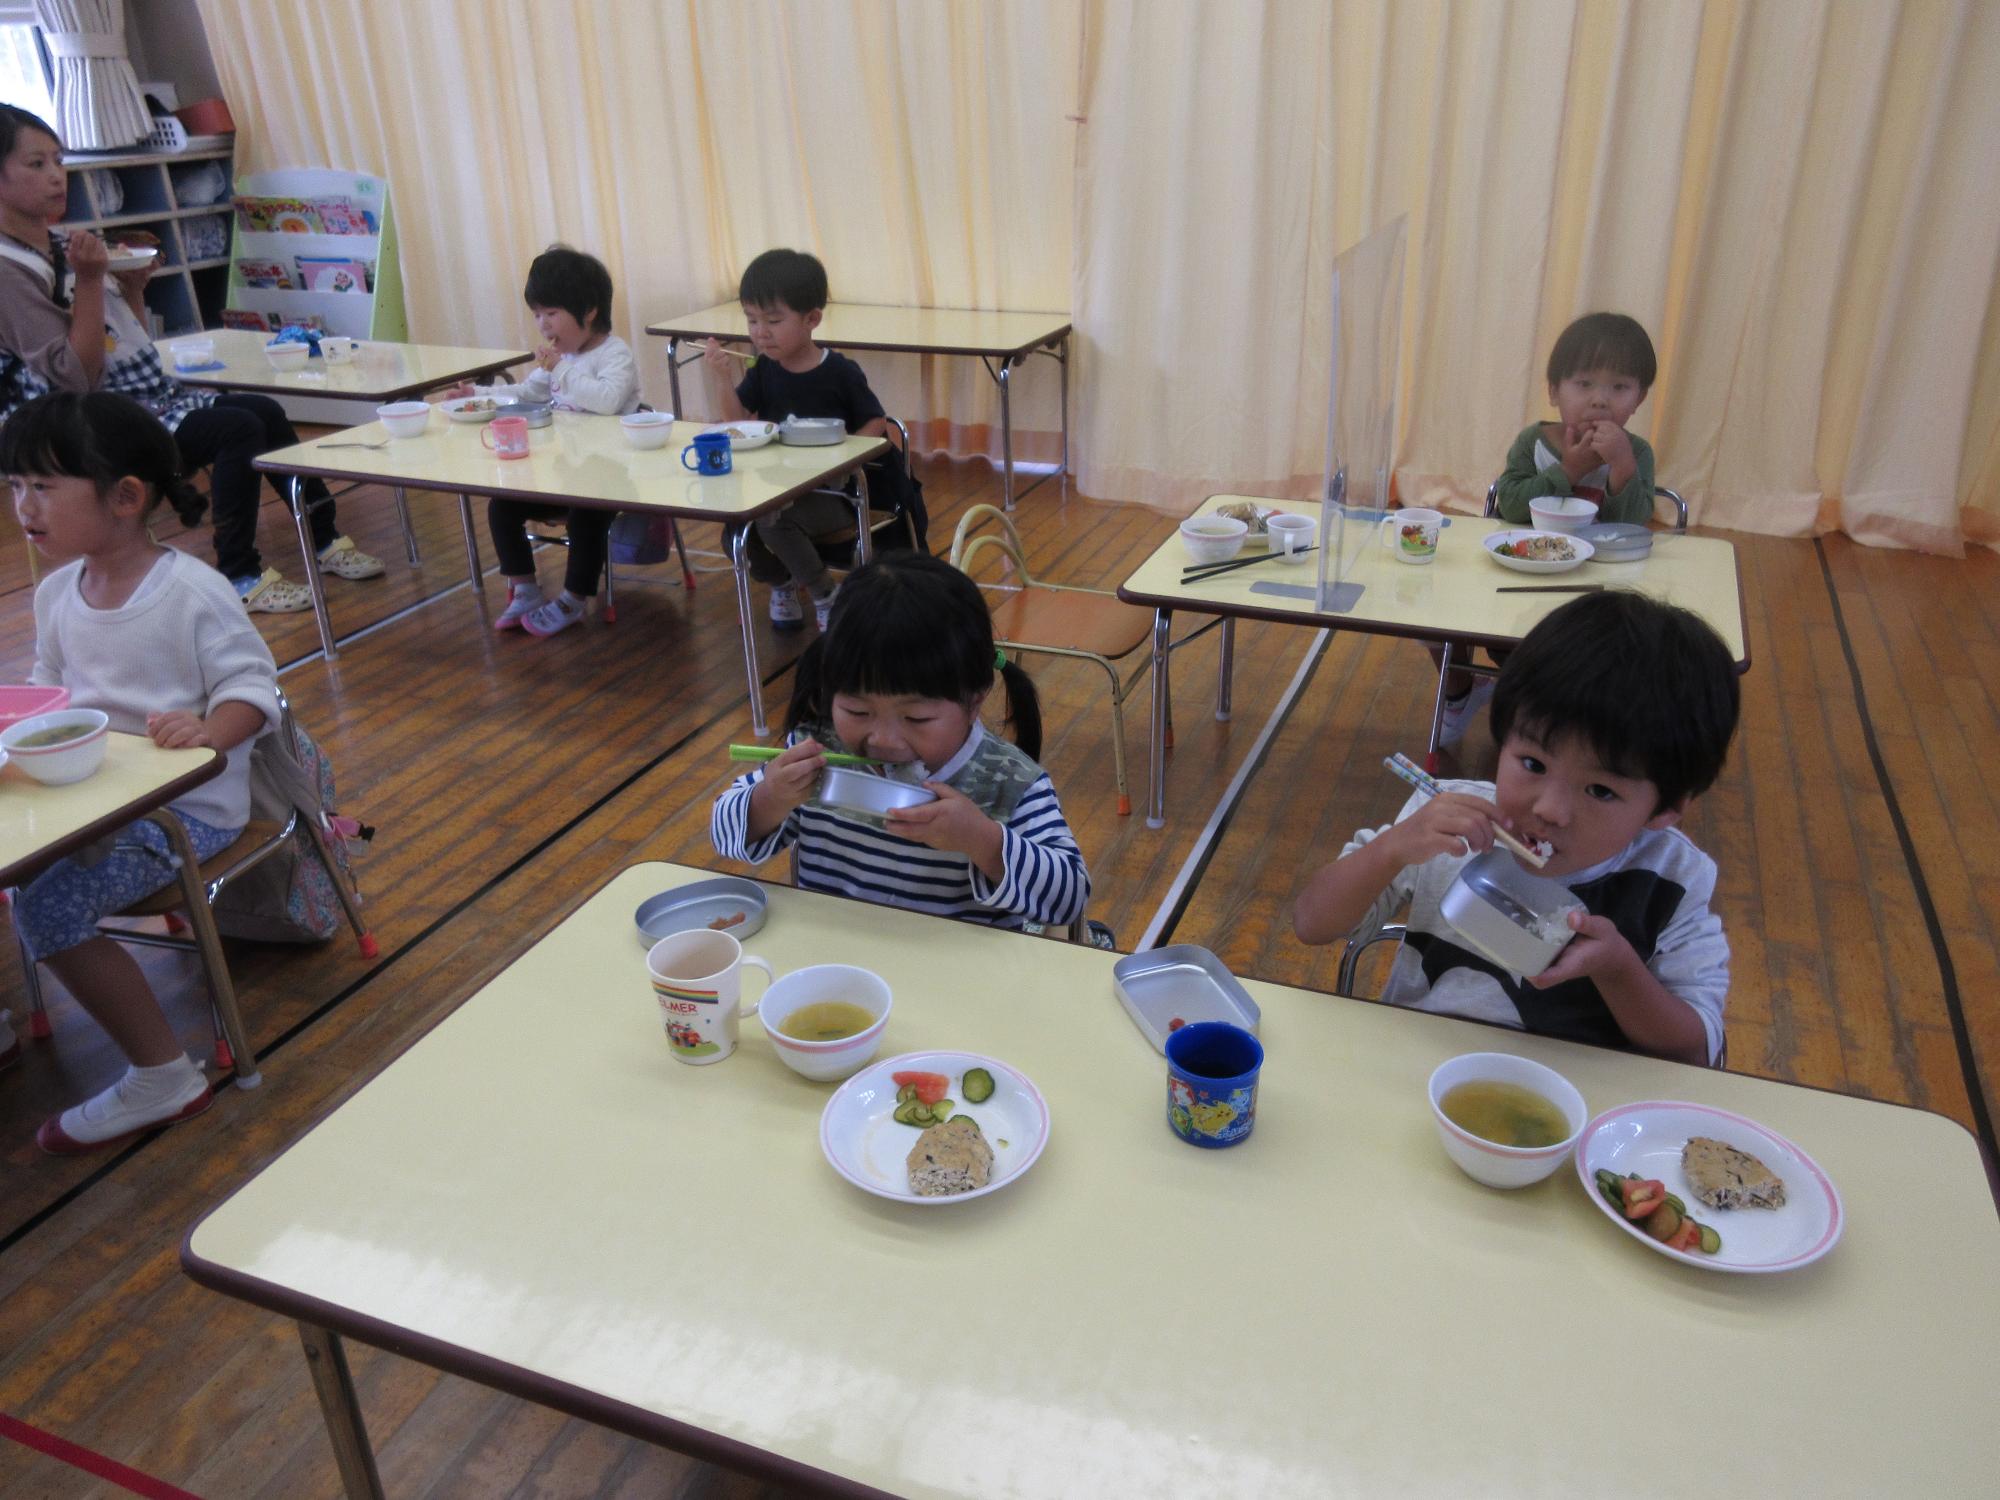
pixel 999 660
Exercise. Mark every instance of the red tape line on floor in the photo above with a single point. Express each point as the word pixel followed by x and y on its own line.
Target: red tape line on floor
pixel 95 1464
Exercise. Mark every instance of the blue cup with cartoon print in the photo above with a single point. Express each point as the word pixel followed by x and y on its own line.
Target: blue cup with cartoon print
pixel 1212 1070
pixel 711 454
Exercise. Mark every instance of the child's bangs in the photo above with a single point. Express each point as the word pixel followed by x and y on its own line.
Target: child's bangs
pixel 873 652
pixel 47 438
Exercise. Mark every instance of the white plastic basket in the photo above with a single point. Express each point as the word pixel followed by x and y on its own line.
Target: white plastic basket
pixel 168 134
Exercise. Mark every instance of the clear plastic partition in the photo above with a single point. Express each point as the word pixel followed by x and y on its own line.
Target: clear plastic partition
pixel 1360 407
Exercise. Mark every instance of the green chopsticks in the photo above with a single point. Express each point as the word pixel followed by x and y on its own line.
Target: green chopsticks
pixel 772 752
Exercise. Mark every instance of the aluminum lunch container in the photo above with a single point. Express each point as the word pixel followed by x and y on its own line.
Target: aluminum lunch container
pixel 866 794
pixel 538 413
pixel 728 903
pixel 1513 917
pixel 1164 989
pixel 812 432
pixel 1616 541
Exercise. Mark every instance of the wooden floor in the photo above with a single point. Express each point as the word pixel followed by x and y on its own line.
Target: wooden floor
pixel 1857 829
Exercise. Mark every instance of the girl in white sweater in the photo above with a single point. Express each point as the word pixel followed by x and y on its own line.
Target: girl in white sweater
pixel 159 642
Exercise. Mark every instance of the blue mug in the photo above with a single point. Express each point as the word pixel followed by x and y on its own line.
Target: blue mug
pixel 1212 1072
pixel 711 454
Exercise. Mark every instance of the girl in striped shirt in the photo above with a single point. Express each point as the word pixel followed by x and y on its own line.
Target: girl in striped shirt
pixel 900 675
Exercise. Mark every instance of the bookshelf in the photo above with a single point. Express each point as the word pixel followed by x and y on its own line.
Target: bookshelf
pixel 373 311
pixel 155 192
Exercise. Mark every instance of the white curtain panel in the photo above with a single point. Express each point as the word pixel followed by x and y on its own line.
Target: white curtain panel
pixel 98 104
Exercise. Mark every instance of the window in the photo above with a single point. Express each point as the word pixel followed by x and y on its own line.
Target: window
pixel 24 77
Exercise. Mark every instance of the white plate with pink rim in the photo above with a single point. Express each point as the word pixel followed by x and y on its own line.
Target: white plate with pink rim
pixel 747 434
pixel 865 1144
pixel 1647 1138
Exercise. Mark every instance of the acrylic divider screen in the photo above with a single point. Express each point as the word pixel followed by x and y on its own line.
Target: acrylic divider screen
pixel 1360 405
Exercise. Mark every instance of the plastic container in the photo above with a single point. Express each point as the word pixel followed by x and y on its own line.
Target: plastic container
pixel 20 701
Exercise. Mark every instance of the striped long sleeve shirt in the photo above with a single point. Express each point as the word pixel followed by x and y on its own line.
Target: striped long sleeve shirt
pixel 1044 879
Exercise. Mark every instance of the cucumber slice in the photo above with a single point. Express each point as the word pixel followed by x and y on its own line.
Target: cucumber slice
pixel 906 1093
pixel 906 1112
pixel 1711 1242
pixel 920 1115
pixel 941 1111
pixel 1679 1207
pixel 977 1086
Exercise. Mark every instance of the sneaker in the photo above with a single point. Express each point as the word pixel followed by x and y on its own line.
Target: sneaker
pixel 559 613
pixel 522 599
pixel 345 560
pixel 112 1116
pixel 823 608
pixel 270 594
pixel 1459 712
pixel 785 611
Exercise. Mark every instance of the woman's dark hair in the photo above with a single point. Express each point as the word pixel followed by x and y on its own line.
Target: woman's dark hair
pixel 791 278
pixel 102 437
pixel 575 282
pixel 14 120
pixel 1648 686
pixel 911 623
pixel 1604 341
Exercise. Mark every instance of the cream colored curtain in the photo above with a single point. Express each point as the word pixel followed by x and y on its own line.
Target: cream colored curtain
pixel 97 99
pixel 1796 198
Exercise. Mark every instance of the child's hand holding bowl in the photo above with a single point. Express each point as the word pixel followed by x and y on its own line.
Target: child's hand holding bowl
pixel 953 824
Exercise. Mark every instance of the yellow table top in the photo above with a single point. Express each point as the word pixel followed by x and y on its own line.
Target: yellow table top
pixel 39 824
pixel 1452 598
pixel 578 460
pixel 1330 1308
pixel 378 372
pixel 914 330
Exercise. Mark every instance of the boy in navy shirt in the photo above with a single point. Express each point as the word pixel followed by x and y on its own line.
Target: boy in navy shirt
pixel 784 296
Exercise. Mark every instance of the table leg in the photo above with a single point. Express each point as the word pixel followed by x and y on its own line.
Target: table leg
pixel 1156 796
pixel 864 534
pixel 1226 670
pixel 1062 359
pixel 739 557
pixel 409 532
pixel 473 565
pixel 1006 433
pixel 674 376
pixel 315 585
pixel 341 1409
pixel 1437 711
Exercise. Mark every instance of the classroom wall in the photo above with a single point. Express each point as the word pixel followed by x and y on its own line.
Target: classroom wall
pixel 1797 200
pixel 167 41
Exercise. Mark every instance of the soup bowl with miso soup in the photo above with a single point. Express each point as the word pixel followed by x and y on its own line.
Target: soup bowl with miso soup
pixel 826 1021
pixel 58 748
pixel 1506 1121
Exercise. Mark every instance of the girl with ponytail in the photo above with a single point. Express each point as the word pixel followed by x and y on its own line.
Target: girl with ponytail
pixel 900 676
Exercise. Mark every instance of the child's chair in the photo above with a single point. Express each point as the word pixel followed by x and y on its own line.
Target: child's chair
pixel 842 548
pixel 1059 619
pixel 201 881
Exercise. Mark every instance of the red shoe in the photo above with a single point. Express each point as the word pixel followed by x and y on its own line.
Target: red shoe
pixel 52 1139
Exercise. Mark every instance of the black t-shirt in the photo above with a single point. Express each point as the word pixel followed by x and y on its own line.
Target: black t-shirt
pixel 835 387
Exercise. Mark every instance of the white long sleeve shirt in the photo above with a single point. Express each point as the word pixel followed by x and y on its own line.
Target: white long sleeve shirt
pixel 604 380
pixel 182 641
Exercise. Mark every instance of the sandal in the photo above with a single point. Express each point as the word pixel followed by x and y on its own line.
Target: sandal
pixel 345 560
pixel 272 595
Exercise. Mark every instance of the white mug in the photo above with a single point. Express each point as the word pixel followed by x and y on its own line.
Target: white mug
pixel 698 980
pixel 1291 534
pixel 1412 533
pixel 336 349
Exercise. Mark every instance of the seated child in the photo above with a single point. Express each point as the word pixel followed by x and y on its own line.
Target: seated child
pixel 899 676
pixel 1612 715
pixel 1599 372
pixel 159 642
pixel 581 366
pixel 784 296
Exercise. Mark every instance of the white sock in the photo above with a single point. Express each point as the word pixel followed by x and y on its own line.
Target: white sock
pixel 144 1096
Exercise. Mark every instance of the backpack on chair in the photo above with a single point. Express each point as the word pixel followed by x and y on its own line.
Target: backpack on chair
pixel 289 897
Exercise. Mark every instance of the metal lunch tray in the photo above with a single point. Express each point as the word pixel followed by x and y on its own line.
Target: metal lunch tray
pixel 1163 989
pixel 536 413
pixel 1616 541
pixel 727 903
pixel 812 432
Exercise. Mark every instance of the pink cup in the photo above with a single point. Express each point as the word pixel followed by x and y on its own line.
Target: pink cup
pixel 509 436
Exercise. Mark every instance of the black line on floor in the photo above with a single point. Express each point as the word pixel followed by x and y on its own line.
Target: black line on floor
pixel 111 1164
pixel 1961 1032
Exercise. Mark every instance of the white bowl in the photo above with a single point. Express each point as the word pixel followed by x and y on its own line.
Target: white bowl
pixel 1564 513
pixel 646 430
pixel 58 765
pixel 826 1062
pixel 1213 539
pixel 1487 1161
pixel 287 356
pixel 468 408
pixel 405 418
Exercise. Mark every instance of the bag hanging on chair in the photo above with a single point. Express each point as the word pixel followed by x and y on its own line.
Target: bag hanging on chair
pixel 289 897
pixel 637 539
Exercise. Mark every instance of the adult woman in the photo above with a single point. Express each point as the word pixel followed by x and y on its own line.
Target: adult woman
pixel 57 338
